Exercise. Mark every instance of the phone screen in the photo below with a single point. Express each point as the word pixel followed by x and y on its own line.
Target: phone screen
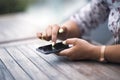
pixel 47 49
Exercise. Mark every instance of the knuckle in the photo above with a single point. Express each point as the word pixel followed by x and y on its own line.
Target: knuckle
pixel 54 33
pixel 49 26
pixel 55 26
pixel 76 39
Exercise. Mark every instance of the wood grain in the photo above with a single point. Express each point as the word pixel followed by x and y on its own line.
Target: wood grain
pixel 13 67
pixel 4 72
pixel 19 59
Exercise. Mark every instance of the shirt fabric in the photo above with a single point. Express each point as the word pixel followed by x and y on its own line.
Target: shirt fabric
pixel 97 12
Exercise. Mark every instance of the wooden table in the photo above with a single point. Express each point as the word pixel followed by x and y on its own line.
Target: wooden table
pixel 19 59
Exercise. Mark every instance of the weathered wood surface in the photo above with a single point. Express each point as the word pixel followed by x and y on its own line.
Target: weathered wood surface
pixel 24 62
pixel 13 28
pixel 19 59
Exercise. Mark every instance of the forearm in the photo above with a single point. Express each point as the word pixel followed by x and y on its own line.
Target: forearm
pixel 111 54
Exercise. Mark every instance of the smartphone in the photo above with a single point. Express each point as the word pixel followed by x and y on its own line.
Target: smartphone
pixel 48 49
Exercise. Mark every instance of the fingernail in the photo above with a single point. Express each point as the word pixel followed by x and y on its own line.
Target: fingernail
pixel 53 43
pixel 61 30
pixel 64 42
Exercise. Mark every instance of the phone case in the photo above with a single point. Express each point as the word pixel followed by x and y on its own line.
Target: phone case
pixel 48 49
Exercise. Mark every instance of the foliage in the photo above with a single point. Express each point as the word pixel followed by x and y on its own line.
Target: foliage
pixel 8 6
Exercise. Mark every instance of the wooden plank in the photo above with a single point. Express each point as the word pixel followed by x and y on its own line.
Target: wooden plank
pixel 17 29
pixel 106 72
pixel 59 65
pixel 8 35
pixel 18 42
pixel 95 71
pixel 4 73
pixel 116 68
pixel 92 70
pixel 12 66
pixel 82 67
pixel 45 67
pixel 2 36
pixel 26 64
pixel 12 30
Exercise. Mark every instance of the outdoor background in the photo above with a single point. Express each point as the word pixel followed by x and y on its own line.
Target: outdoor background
pixel 26 17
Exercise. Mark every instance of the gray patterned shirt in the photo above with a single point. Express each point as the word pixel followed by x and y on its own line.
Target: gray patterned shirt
pixel 97 12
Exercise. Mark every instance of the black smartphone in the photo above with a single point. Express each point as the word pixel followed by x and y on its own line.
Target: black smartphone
pixel 48 49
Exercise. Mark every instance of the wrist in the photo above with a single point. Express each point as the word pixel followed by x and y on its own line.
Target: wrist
pixel 73 29
pixel 95 53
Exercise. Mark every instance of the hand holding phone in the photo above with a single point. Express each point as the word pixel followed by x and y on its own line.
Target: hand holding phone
pixel 48 49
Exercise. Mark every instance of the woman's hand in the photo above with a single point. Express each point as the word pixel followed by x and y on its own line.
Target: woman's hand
pixel 70 29
pixel 80 50
pixel 52 33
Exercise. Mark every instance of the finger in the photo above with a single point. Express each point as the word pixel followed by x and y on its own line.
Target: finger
pixel 70 41
pixel 39 35
pixel 48 32
pixel 44 35
pixel 65 52
pixel 55 29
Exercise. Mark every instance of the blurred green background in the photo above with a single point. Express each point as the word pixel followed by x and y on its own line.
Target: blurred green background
pixel 10 6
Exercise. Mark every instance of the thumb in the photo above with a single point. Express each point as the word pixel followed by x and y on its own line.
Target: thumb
pixel 71 41
pixel 65 52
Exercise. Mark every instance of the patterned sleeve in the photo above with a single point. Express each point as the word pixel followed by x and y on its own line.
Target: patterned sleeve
pixel 91 15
